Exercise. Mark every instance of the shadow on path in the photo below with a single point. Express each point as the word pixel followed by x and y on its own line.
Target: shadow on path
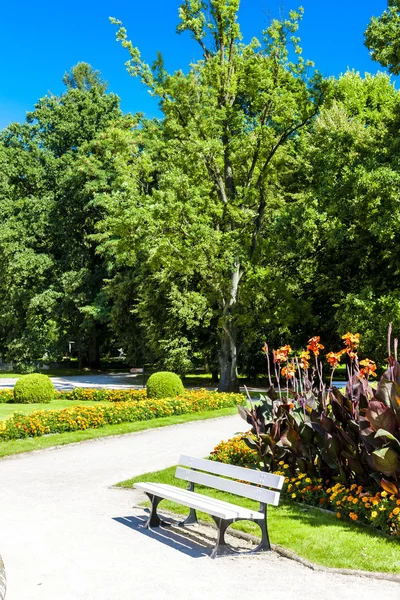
pixel 192 543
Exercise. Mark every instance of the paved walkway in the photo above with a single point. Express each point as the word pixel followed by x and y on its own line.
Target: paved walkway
pixel 66 535
pixel 115 381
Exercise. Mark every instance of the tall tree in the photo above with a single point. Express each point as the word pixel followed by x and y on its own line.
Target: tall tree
pixel 355 179
pixel 56 163
pixel 228 126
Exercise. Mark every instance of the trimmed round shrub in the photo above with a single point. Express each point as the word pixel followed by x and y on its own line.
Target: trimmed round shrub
pixel 33 388
pixel 164 385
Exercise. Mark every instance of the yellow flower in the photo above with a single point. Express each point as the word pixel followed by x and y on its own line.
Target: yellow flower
pixel 374 514
pixel 293 495
pixel 396 510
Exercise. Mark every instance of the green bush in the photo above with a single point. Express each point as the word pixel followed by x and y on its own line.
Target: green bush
pixel 164 385
pixel 35 388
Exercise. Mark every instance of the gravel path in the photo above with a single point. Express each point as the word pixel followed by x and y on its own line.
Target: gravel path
pixel 66 535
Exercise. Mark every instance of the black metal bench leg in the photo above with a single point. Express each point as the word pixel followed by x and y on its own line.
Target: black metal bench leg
pixel 264 545
pixel 191 519
pixel 221 547
pixel 154 520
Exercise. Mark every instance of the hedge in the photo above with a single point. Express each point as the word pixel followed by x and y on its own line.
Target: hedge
pixel 42 422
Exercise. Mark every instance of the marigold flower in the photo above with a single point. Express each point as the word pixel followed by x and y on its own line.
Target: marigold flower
pixel 314 345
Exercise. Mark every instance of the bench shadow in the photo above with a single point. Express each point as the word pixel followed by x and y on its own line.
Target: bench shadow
pixel 189 542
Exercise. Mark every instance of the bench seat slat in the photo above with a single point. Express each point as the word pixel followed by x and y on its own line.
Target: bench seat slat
pixel 228 485
pixel 250 475
pixel 219 509
pixel 250 513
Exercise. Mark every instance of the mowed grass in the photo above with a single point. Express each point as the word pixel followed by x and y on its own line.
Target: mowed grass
pixel 313 534
pixel 61 439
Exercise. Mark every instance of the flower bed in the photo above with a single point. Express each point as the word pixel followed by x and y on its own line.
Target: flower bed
pixel 81 417
pixel 380 510
pixel 94 395
pixel 6 395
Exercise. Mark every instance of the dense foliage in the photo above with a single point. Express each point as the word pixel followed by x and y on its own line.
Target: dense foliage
pixel 34 388
pixel 263 202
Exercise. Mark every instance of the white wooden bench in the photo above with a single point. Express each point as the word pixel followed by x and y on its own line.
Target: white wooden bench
pixel 223 477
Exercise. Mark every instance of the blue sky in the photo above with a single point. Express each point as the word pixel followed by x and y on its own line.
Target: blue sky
pixel 40 41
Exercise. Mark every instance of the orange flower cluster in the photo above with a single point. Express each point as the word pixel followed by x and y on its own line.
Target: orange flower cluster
pixel 281 355
pixel 333 358
pixel 351 340
pixel 304 358
pixel 314 345
pixel 369 368
pixel 288 371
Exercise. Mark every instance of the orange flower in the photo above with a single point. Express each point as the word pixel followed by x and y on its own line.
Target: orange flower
pixel 281 354
pixel 369 368
pixel 288 372
pixel 314 345
pixel 333 358
pixel 304 358
pixel 351 339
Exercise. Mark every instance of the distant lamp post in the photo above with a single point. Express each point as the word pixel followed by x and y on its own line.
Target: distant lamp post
pixel 70 347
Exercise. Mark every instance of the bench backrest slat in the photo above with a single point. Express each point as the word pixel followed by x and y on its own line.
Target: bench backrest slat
pixel 228 485
pixel 251 475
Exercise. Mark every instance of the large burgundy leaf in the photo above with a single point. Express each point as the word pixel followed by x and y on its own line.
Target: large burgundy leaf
pixel 381 416
pixel 386 461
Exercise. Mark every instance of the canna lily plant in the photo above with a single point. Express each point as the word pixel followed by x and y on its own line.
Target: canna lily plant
pixel 351 437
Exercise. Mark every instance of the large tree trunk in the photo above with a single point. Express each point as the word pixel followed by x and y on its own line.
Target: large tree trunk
pixel 94 350
pixel 228 350
pixel 228 381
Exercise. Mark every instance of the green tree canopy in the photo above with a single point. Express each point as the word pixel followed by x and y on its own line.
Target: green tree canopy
pixel 382 37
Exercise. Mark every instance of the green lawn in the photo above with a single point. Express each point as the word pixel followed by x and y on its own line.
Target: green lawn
pixel 313 534
pixel 61 439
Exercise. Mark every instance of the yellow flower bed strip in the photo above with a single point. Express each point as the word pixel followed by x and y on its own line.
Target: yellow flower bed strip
pixel 81 417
